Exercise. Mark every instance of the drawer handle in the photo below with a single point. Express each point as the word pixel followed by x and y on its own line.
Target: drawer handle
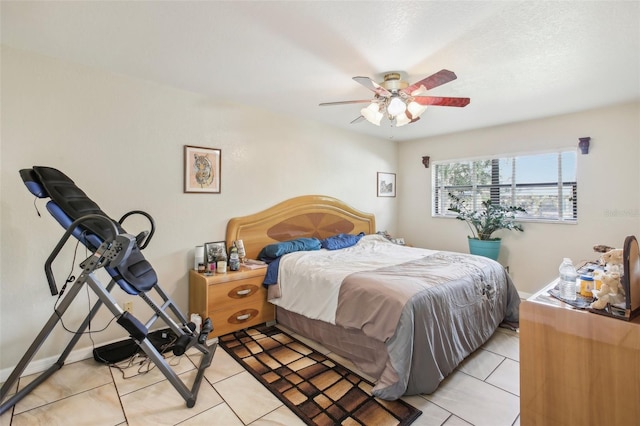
pixel 243 292
pixel 243 316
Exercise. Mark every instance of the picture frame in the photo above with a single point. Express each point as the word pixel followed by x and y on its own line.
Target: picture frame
pixel 386 184
pixel 213 250
pixel 202 169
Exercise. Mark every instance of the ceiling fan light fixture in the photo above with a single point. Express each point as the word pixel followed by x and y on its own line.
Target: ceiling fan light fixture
pixel 402 119
pixel 396 106
pixel 372 113
pixel 400 102
pixel 416 109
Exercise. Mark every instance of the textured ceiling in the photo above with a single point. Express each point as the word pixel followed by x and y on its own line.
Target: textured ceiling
pixel 515 60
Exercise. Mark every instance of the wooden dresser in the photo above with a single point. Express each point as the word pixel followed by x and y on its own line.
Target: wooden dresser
pixel 233 301
pixel 577 367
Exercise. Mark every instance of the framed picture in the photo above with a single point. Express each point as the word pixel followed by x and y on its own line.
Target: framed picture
pixel 202 169
pixel 386 184
pixel 215 251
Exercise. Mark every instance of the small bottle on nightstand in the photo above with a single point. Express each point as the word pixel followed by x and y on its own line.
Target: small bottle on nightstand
pixel 234 259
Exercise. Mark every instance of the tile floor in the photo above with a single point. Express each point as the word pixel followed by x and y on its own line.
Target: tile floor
pixel 483 390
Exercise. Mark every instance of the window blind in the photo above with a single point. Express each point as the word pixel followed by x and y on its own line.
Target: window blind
pixel 543 184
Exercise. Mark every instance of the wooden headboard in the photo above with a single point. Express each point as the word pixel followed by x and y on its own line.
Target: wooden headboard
pixel 317 216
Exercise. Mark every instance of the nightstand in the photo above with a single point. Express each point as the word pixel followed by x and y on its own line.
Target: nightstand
pixel 234 300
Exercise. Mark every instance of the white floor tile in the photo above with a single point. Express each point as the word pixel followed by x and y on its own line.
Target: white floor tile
pixel 222 366
pixel 475 401
pixel 507 377
pixel 504 344
pixel 247 397
pixel 432 415
pixel 5 419
pixel 71 379
pixel 481 364
pixel 221 414
pixel 456 421
pixel 95 407
pixel 161 404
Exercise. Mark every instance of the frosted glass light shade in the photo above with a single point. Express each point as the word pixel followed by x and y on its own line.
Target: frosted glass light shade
pixel 372 113
pixel 416 109
pixel 396 107
pixel 402 119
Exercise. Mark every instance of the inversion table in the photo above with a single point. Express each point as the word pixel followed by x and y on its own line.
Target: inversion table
pixel 120 255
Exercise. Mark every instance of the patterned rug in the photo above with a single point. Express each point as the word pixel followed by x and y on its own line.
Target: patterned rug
pixel 313 386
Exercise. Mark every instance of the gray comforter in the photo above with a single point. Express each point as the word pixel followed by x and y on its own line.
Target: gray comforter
pixel 428 322
pixel 428 314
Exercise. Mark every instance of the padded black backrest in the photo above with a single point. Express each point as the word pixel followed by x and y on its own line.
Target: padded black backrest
pixel 135 274
pixel 73 201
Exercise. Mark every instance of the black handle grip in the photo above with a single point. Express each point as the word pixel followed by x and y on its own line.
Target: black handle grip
pixel 181 345
pixel 151 223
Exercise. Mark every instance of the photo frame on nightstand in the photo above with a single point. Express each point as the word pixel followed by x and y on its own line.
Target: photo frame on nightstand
pixel 215 250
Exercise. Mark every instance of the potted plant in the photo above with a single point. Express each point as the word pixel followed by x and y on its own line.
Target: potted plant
pixel 483 223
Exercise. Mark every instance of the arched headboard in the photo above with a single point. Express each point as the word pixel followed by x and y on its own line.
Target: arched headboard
pixel 317 216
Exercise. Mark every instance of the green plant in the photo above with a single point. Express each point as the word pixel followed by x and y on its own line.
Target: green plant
pixel 491 218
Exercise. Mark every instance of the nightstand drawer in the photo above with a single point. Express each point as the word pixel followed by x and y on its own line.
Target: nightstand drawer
pixel 236 293
pixel 238 317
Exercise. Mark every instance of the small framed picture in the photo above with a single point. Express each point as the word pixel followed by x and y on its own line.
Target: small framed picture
pixel 202 169
pixel 215 251
pixel 386 184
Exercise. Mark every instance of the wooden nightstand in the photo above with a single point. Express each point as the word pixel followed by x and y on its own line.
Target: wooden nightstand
pixel 233 301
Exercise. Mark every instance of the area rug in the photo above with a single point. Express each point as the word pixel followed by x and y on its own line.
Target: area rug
pixel 316 388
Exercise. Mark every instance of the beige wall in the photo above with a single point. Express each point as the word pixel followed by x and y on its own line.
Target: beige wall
pixel 121 140
pixel 608 194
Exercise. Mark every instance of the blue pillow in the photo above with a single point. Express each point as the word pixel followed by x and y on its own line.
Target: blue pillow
pixel 341 241
pixel 275 250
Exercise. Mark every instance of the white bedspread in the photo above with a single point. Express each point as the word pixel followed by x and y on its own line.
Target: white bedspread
pixel 310 280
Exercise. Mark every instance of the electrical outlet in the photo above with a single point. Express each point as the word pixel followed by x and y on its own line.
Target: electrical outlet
pixel 128 306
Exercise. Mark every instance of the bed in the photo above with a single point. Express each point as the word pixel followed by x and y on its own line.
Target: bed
pixel 407 319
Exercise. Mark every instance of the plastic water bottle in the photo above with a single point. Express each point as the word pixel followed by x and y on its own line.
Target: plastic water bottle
pixel 568 276
pixel 197 320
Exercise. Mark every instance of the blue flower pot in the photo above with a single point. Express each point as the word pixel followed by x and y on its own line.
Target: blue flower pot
pixel 486 248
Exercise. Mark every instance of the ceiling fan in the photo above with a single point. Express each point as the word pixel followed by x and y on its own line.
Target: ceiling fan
pixel 400 102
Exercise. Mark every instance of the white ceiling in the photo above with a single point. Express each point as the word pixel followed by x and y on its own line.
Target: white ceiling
pixel 515 60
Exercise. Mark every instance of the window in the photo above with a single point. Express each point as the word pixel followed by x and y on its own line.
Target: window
pixel 543 184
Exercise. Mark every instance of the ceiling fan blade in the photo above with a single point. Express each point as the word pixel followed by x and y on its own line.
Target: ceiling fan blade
pixel 373 86
pixel 433 100
pixel 362 101
pixel 357 120
pixel 434 80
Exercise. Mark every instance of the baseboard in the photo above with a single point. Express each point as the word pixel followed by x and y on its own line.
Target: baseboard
pixel 40 365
